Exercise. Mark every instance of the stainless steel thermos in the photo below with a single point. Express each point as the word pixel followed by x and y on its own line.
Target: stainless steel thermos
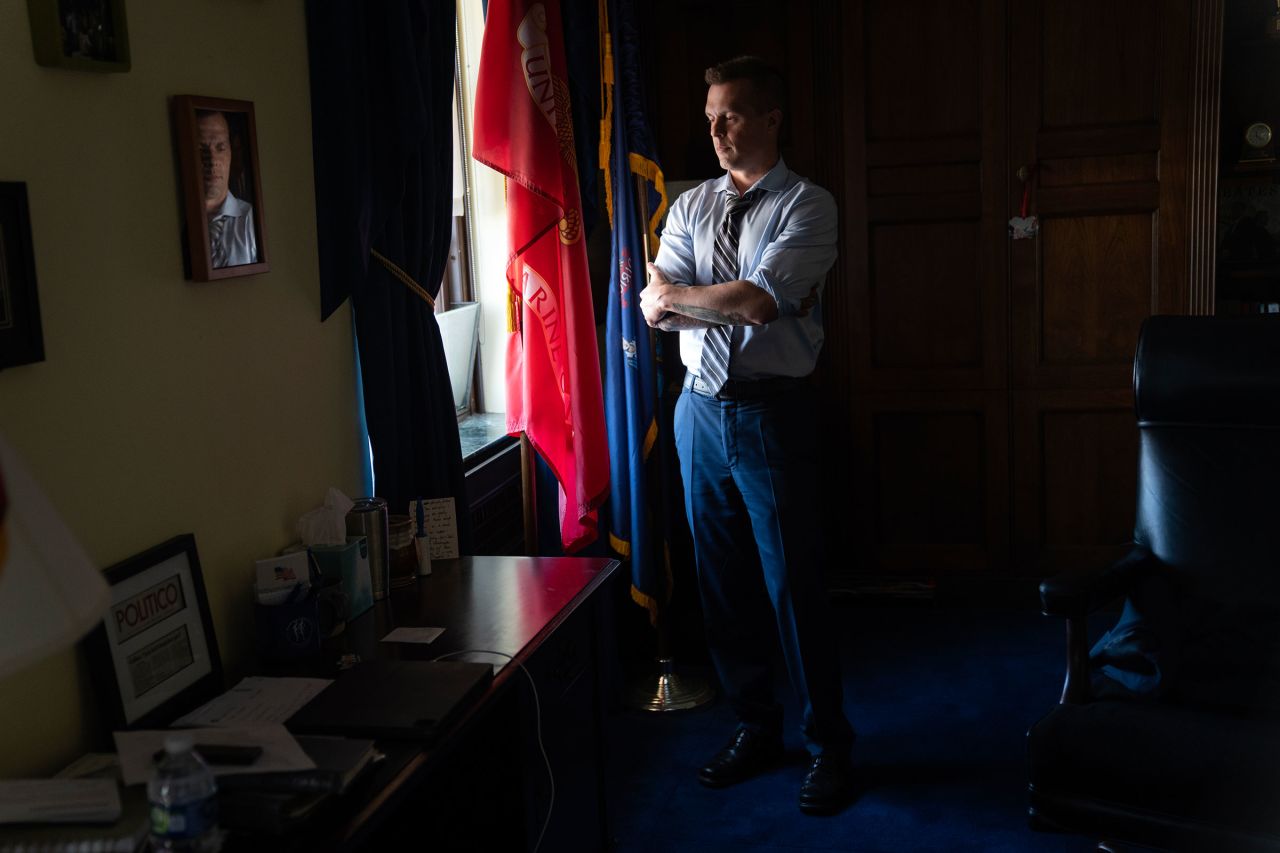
pixel 368 518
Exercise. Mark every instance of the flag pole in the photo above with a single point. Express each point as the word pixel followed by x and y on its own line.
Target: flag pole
pixel 528 471
pixel 672 692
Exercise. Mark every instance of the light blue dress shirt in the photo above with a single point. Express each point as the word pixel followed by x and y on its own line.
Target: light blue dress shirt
pixel 786 245
pixel 238 238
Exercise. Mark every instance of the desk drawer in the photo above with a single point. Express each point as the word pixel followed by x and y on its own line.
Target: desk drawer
pixel 567 679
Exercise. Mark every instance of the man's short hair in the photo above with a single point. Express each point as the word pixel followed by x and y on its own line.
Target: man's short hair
pixel 769 90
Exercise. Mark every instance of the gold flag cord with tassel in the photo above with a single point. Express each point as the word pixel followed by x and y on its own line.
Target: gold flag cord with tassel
pixel 404 277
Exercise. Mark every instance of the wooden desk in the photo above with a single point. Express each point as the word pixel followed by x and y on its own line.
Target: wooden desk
pixel 483 785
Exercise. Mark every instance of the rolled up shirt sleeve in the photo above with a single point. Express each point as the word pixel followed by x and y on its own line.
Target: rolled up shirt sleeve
pixel 675 254
pixel 802 254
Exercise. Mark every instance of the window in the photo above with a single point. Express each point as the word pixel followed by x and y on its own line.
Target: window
pixel 472 310
pixel 456 309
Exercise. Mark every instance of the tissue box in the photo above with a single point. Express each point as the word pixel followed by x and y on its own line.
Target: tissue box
pixel 350 563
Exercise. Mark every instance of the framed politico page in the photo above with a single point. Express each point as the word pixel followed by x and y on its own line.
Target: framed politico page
pixel 155 656
pixel 223 229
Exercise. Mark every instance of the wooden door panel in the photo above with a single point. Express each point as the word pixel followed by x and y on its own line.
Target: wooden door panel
pixel 931 489
pixel 929 478
pixel 1075 486
pixel 1099 61
pixel 908 97
pixel 1099 115
pixel 924 179
pixel 1096 288
pixel 1068 171
pixel 924 322
pixel 926 295
pixel 1099 95
pixel 1090 460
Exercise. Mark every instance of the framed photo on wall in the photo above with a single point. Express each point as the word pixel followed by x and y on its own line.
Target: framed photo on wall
pixel 224 230
pixel 21 339
pixel 155 656
pixel 81 35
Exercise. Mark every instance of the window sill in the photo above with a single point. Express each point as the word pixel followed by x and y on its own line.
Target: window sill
pixel 482 435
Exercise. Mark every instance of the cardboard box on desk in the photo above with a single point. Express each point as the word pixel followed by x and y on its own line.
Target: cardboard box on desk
pixel 350 563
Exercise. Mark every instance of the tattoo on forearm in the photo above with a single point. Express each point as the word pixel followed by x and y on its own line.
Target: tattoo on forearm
pixel 711 316
pixel 677 322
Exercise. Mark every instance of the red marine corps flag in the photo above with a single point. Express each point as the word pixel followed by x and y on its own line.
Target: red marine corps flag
pixel 523 129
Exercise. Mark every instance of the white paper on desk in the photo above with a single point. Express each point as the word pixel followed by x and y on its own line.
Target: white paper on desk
pixel 412 635
pixel 59 800
pixel 256 699
pixel 280 751
pixel 442 528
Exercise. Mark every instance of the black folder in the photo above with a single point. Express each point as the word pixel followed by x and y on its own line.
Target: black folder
pixel 394 699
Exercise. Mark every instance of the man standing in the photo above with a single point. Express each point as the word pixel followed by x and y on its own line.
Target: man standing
pixel 232 241
pixel 739 275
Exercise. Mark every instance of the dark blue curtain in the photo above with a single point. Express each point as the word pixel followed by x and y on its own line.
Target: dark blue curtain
pixel 381 95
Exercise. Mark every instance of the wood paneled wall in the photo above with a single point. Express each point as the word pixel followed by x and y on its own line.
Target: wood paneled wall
pixel 979 412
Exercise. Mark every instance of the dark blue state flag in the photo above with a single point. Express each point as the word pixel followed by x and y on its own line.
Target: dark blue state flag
pixel 638 443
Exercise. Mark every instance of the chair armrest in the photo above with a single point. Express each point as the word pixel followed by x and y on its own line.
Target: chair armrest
pixel 1076 594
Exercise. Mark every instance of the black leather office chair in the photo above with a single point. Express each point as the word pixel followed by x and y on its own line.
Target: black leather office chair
pixel 1168 732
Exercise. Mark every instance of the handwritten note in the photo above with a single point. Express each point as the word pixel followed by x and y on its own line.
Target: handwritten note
pixel 442 527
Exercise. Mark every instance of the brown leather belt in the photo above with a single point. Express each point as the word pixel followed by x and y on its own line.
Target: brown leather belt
pixel 746 389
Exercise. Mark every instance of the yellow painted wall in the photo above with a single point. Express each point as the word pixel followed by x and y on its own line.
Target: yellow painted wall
pixel 163 406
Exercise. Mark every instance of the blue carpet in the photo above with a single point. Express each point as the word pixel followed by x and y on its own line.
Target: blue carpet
pixel 941 700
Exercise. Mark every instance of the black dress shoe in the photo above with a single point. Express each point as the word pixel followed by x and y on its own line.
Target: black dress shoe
pixel 747 753
pixel 828 785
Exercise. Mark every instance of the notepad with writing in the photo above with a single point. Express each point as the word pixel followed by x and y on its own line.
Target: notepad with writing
pixel 394 699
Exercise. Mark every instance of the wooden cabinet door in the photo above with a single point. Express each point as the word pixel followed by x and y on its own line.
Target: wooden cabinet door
pixel 916 335
pixel 1098 126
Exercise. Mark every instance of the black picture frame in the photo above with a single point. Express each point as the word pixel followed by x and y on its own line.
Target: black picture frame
pixel 21 337
pixel 80 35
pixel 243 180
pixel 154 657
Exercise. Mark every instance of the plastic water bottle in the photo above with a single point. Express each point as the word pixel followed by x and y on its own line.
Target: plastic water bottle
pixel 184 800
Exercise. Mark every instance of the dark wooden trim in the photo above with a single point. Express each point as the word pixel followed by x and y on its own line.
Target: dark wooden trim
pixel 853 317
pixel 919 152
pixel 1136 197
pixel 829 173
pixel 994 235
pixel 1202 179
pixel 943 207
pixel 1096 141
pixel 1172 270
pixel 830 57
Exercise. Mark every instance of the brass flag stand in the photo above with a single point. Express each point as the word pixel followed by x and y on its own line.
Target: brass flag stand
pixel 672 691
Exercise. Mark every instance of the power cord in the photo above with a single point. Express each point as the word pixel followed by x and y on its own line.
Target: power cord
pixel 537 719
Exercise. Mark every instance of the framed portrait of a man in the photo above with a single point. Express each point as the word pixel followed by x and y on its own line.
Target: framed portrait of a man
pixel 224 228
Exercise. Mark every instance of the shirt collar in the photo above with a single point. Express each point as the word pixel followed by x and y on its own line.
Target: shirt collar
pixel 775 180
pixel 231 206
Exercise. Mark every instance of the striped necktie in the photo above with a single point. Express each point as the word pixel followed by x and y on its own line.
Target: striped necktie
pixel 217 249
pixel 714 369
